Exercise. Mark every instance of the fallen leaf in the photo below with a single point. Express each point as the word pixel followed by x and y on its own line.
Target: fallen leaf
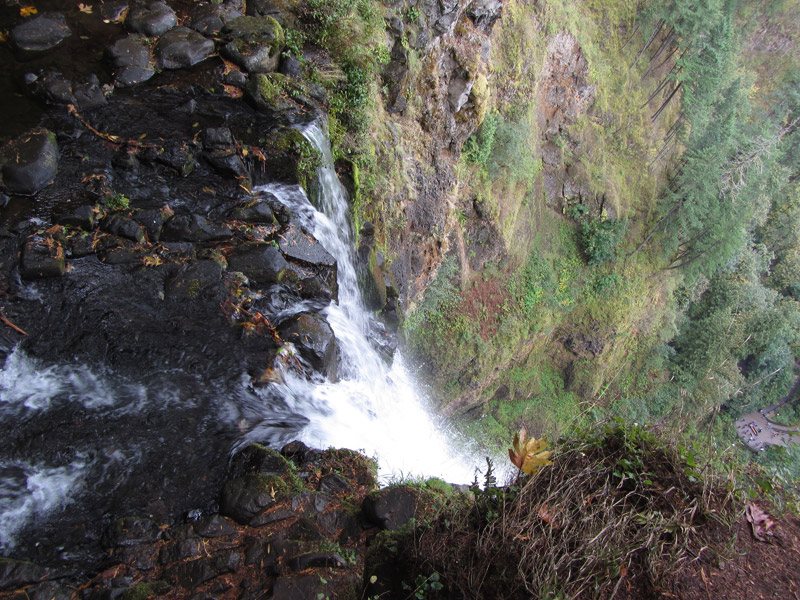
pixel 85 8
pixel 233 91
pixel 759 520
pixel 548 514
pixel 27 11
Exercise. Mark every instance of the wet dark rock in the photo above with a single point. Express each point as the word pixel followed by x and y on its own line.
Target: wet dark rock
pixel 290 66
pixel 128 76
pixel 181 550
pixel 272 516
pixel 182 47
pixel 180 250
pixel 254 211
pixel 257 459
pixel 227 163
pixel 113 10
pixel 121 255
pixel 154 20
pixel 131 59
pixel 214 526
pixel 42 257
pixel 53 88
pixel 262 555
pixel 303 530
pixel 88 93
pixel 190 575
pixel 302 247
pixel 123 226
pixel 210 18
pixel 333 484
pixel 50 86
pixel 84 217
pixel 132 531
pixel 41 33
pixel 301 587
pixel 80 245
pixel 194 279
pixel 30 162
pixel 253 43
pixel 312 288
pixel 49 590
pixel 314 339
pixel 390 508
pixel 194 228
pixel 316 560
pixel 262 263
pixel 235 78
pixel 245 497
pixel 152 220
pixel 15 573
pixel 295 451
pixel 180 156
pixel 217 138
pixel 141 557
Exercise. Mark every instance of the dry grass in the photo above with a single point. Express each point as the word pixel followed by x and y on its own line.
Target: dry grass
pixel 617 515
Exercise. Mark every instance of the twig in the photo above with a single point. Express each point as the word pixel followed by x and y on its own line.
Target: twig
pixel 10 324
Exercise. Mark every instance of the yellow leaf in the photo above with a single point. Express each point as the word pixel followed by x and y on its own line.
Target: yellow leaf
pixel 3 36
pixel 27 11
pixel 85 8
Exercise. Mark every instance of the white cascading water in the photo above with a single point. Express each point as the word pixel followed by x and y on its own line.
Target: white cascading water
pixel 374 407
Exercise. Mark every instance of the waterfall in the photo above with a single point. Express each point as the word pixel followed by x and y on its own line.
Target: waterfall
pixel 374 407
pixel 84 441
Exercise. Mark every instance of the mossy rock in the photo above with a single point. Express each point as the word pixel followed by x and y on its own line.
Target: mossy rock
pixel 292 158
pixel 255 43
pixel 480 97
pixel 247 496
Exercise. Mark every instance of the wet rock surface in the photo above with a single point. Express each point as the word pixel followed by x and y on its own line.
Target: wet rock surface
pixel 40 33
pixel 294 544
pixel 30 162
pixel 132 242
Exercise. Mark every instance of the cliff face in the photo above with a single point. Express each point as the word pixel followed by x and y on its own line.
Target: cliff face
pixel 561 151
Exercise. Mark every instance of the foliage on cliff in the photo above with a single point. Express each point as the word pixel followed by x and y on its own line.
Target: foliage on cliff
pixel 625 239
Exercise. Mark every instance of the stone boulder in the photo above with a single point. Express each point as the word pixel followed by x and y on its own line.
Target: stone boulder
pixel 194 279
pixel 308 252
pixel 391 508
pixel 182 47
pixel 153 20
pixel 209 19
pixel 262 263
pixel 314 339
pixel 46 31
pixel 247 496
pixel 132 61
pixel 254 43
pixel 52 87
pixel 30 162
pixel 259 460
pixel 194 228
pixel 15 573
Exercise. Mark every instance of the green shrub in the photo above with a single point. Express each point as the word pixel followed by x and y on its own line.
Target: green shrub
pixel 599 239
pixel 478 148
